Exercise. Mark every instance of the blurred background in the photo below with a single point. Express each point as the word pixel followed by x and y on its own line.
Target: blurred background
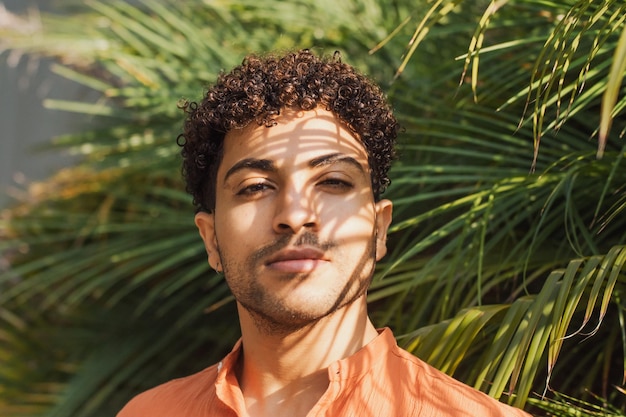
pixel 27 126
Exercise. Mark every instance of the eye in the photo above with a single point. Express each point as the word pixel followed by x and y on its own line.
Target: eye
pixel 254 189
pixel 336 184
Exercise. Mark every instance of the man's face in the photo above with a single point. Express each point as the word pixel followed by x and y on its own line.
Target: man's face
pixel 295 226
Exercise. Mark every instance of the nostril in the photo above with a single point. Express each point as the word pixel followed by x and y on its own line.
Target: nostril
pixel 294 229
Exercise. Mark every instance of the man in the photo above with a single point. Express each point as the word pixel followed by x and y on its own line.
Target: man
pixel 286 158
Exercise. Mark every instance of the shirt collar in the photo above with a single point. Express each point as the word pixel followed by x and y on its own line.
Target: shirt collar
pixel 353 366
pixel 226 385
pixel 361 362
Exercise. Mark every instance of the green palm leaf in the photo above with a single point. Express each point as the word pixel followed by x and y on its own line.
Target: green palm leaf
pixel 508 279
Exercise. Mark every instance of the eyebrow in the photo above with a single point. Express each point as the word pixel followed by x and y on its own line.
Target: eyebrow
pixel 334 158
pixel 251 163
pixel 268 165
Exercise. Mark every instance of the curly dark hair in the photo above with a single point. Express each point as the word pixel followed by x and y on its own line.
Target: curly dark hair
pixel 259 88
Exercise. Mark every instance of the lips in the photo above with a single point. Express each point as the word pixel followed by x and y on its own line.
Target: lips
pixel 300 260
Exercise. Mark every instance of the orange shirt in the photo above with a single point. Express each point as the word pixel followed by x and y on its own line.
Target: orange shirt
pixel 379 380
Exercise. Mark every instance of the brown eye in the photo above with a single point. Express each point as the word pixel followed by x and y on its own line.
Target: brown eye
pixel 336 183
pixel 253 189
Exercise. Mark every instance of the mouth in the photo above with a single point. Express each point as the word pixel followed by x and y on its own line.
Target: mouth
pixel 301 260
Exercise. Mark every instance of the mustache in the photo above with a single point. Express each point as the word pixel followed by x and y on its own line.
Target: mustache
pixel 305 239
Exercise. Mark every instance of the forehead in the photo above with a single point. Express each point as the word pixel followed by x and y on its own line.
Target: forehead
pixel 297 138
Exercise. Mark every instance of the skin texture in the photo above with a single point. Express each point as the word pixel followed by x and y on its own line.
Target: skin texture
pixel 297 234
pixel 296 242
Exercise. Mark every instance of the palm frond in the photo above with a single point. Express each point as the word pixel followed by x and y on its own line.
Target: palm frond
pixel 508 279
pixel 509 341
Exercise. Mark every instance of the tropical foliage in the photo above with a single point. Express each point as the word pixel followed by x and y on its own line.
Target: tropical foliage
pixel 507 262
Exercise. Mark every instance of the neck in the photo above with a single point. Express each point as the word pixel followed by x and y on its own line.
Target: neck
pixel 285 373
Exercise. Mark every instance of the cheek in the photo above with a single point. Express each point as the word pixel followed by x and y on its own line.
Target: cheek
pixel 351 227
pixel 235 226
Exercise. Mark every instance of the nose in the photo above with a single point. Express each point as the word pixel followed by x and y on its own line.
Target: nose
pixel 295 210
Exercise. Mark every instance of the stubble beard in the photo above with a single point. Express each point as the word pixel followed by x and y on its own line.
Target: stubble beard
pixel 273 317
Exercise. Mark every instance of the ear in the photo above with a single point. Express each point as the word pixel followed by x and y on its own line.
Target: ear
pixel 384 210
pixel 206 226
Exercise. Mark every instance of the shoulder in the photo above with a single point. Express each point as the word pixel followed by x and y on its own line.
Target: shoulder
pixel 167 399
pixel 443 395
